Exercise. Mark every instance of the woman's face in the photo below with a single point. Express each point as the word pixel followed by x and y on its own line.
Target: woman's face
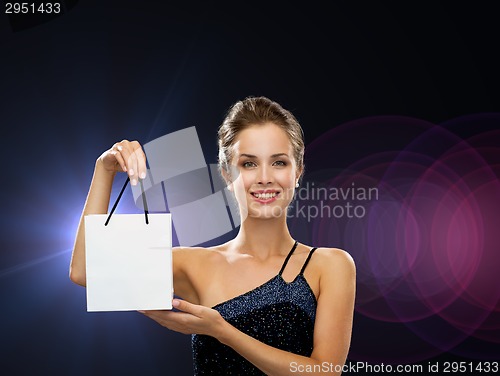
pixel 264 171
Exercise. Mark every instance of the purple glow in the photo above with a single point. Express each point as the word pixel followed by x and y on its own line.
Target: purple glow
pixel 428 249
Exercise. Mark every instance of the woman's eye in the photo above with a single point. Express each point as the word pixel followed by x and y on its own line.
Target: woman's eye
pixel 248 164
pixel 280 163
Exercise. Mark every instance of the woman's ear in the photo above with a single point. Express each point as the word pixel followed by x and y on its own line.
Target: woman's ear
pixel 298 175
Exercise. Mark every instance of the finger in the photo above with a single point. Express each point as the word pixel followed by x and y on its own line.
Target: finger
pixel 158 313
pixel 115 151
pixel 159 316
pixel 130 159
pixel 133 169
pixel 169 318
pixel 187 307
pixel 124 152
pixel 178 321
pixel 141 159
pixel 112 158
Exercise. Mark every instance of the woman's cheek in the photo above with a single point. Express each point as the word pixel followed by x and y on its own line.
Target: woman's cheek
pixel 247 179
pixel 241 185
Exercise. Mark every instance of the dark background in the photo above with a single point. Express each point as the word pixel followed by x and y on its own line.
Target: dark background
pixel 107 70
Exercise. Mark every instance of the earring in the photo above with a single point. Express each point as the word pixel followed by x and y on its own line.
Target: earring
pixel 297 185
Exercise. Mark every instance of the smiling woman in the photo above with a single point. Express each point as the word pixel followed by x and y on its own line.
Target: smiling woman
pixel 261 302
pixel 268 177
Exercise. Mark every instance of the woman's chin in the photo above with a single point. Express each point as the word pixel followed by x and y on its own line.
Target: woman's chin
pixel 266 211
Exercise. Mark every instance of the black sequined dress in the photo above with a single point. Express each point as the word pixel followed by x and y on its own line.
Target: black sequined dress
pixel 278 313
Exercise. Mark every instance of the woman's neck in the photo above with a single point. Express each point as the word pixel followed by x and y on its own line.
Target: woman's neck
pixel 263 237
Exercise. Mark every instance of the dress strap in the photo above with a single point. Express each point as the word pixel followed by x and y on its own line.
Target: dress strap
pixel 288 257
pixel 307 260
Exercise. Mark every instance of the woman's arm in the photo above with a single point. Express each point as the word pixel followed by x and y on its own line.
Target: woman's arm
pixel 332 330
pixel 123 156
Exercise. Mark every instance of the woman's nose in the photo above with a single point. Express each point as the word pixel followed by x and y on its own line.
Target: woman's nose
pixel 265 175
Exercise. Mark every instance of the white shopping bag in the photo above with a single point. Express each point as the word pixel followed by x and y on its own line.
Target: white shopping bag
pixel 129 262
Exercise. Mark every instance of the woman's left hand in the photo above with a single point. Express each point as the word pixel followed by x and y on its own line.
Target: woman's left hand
pixel 190 319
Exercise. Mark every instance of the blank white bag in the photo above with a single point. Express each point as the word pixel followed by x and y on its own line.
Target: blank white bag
pixel 129 262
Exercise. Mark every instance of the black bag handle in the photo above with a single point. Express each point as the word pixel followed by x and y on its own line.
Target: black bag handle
pixel 145 204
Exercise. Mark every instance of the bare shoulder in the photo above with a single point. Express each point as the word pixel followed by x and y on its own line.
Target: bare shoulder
pixel 335 261
pixel 337 275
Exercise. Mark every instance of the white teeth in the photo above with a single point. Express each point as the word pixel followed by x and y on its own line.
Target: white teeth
pixel 265 196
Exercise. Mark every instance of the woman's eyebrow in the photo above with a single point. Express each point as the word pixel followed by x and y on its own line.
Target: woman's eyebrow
pixel 247 155
pixel 279 155
pixel 272 156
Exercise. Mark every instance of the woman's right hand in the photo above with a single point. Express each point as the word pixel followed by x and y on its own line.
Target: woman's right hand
pixel 126 156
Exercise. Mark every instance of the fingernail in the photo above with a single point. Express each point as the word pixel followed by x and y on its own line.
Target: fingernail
pixel 134 181
pixel 176 303
pixel 143 175
pixel 131 172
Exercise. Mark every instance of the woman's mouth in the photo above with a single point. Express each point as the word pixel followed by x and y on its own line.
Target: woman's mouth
pixel 265 196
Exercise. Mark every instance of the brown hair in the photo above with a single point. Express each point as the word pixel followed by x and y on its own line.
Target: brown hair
pixel 258 111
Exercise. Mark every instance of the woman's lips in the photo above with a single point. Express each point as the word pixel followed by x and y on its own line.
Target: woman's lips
pixel 265 197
